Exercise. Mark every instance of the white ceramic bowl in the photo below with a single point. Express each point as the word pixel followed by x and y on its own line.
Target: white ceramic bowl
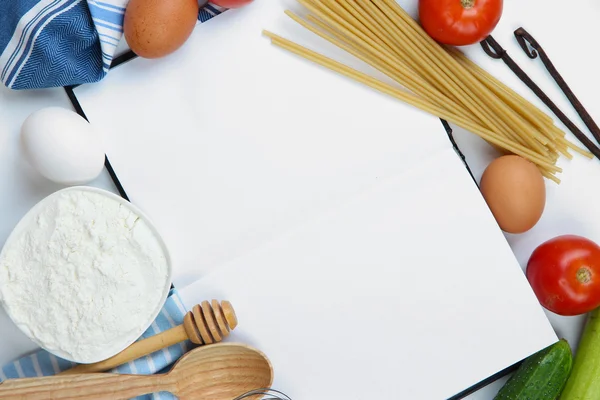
pixel 25 223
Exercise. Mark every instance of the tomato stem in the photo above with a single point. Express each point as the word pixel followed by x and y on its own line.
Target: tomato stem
pixel 584 275
pixel 468 3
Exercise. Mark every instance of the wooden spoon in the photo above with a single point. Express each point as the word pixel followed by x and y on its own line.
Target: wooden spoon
pixel 216 372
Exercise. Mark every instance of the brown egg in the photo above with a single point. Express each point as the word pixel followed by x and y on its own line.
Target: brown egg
pixel 156 28
pixel 515 191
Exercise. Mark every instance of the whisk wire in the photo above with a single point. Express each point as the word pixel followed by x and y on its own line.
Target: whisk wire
pixel 275 394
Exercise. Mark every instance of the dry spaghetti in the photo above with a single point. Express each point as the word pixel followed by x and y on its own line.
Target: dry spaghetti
pixel 440 81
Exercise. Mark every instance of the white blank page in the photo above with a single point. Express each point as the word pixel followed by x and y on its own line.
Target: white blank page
pixel 231 141
pixel 354 245
pixel 407 292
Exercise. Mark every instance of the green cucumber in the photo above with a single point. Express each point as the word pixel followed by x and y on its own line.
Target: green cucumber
pixel 541 376
pixel 584 383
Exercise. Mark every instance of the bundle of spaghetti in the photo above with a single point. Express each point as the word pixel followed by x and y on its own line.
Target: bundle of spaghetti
pixel 435 79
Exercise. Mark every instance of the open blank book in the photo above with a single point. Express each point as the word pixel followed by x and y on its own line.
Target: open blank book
pixel 340 223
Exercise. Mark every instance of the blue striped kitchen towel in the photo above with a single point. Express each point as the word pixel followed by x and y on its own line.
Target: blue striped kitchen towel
pixel 42 363
pixel 52 43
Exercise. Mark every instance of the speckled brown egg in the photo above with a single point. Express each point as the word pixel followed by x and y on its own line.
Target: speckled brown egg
pixel 156 28
pixel 515 191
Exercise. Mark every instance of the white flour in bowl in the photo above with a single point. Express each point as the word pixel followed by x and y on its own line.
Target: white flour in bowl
pixel 84 275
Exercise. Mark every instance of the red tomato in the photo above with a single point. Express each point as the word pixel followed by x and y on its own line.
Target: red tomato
pixel 459 22
pixel 564 273
pixel 231 3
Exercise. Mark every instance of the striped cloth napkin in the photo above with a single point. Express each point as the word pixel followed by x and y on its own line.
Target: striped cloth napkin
pixel 42 363
pixel 52 43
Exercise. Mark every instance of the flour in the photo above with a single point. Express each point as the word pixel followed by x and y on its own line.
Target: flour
pixel 84 276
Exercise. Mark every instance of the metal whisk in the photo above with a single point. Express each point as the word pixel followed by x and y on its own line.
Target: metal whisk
pixel 273 394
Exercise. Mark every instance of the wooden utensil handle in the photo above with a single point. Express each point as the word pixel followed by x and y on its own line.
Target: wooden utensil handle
pixel 133 352
pixel 83 387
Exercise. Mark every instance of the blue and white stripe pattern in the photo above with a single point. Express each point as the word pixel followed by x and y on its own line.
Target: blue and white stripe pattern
pixel 51 43
pixel 108 19
pixel 42 363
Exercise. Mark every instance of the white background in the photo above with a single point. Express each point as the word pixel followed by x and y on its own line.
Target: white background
pixel 572 206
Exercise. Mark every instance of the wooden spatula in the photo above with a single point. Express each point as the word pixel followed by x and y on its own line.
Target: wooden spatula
pixel 215 372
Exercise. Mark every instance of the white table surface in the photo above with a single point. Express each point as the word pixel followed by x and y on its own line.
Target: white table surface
pixel 21 188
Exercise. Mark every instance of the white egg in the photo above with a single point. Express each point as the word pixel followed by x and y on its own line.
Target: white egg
pixel 62 146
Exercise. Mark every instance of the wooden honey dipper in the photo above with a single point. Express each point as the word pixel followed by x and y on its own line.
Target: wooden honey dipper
pixel 207 323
